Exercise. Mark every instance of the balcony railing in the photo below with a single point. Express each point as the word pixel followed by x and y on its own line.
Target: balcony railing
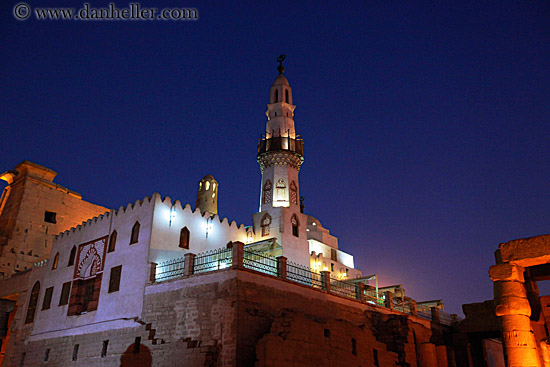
pixel 239 257
pixel 282 143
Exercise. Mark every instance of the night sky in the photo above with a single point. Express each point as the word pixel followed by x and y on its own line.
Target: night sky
pixel 426 125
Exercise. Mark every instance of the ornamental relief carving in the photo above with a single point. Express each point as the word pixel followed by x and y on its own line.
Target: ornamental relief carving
pixel 90 258
pixel 280 159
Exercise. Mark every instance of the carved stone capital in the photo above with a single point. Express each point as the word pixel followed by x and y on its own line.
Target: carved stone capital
pixel 506 272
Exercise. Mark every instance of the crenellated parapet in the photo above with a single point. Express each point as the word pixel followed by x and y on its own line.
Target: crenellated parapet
pixel 197 214
pixel 129 209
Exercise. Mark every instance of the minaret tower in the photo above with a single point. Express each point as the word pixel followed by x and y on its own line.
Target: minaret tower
pixel 280 155
pixel 280 151
pixel 207 196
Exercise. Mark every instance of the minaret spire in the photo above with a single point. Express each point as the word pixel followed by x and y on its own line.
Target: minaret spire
pixel 280 151
pixel 281 68
pixel 280 156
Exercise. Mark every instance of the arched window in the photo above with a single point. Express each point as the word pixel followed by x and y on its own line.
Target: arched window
pixel 32 303
pixel 55 261
pixel 135 233
pixel 184 238
pixel 281 190
pixel 112 242
pixel 286 96
pixel 276 99
pixel 267 192
pixel 293 193
pixel 72 256
pixel 264 223
pixel 295 226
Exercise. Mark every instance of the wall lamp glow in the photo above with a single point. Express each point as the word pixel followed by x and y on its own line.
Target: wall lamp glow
pixel 173 214
pixel 209 226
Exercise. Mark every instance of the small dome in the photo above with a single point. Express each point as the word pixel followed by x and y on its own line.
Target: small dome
pixel 280 80
pixel 208 177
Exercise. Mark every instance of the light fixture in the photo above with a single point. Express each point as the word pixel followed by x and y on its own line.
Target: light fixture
pixel 209 226
pixel 172 216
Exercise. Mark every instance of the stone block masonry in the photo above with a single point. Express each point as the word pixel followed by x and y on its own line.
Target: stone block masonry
pixel 32 210
pixel 236 317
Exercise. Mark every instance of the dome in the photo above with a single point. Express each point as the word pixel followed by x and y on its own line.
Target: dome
pixel 280 80
pixel 208 178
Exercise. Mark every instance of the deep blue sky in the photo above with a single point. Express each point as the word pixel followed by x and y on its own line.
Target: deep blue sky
pixel 426 125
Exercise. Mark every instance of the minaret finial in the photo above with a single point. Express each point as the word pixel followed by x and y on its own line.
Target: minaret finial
pixel 280 60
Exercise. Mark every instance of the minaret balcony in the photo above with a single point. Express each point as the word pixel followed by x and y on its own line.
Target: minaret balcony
pixel 281 143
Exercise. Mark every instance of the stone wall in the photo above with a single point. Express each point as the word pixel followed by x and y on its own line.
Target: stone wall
pixel 25 234
pixel 243 318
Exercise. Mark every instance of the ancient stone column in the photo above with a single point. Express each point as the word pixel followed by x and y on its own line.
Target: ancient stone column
pixel 513 310
pixel 441 354
pixel 426 355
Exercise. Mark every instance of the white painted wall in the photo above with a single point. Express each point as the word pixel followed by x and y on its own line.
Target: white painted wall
pixel 295 249
pixel 128 301
pixel 165 233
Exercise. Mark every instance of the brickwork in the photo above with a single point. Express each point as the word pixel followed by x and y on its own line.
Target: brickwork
pixel 26 234
pixel 199 311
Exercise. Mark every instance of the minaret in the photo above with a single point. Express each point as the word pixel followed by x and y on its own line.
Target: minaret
pixel 280 151
pixel 207 196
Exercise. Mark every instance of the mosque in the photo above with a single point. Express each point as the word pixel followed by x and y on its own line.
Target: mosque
pixel 158 282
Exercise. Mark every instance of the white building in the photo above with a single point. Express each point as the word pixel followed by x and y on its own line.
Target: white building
pixel 97 272
pixel 159 283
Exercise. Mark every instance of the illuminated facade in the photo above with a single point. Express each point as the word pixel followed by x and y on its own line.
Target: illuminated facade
pixel 159 283
pixel 301 237
pixel 33 209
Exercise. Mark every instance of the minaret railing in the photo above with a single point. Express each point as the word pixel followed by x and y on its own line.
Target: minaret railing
pixel 281 143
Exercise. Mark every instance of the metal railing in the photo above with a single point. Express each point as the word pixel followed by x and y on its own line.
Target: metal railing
pixel 170 269
pixel 424 313
pixel 213 260
pixel 303 275
pixel 445 318
pixel 281 143
pixel 373 298
pixel 260 262
pixel 342 288
pixel 401 306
